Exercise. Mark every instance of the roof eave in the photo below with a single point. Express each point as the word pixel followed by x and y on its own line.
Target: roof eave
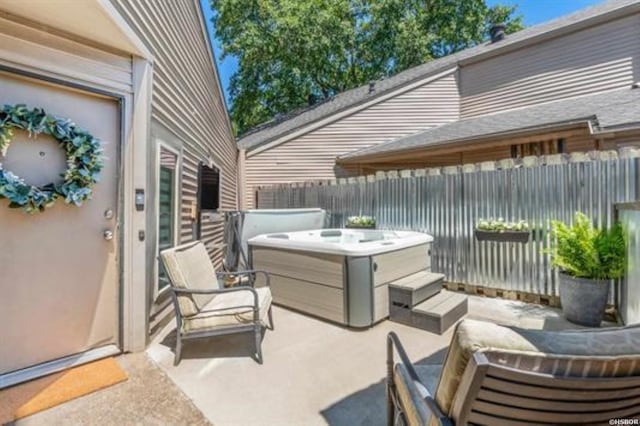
pixel 572 27
pixel 611 130
pixel 523 132
pixel 212 58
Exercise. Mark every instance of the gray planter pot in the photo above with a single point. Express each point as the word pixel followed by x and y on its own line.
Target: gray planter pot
pixel 583 300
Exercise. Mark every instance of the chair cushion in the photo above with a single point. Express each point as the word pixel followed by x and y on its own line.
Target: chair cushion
pixel 207 318
pixel 471 336
pixel 189 266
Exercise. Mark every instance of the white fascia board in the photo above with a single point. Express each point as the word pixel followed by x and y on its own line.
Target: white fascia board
pixel 212 57
pixel 139 48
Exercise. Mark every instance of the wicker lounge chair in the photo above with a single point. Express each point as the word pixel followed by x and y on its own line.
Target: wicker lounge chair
pixel 496 375
pixel 204 307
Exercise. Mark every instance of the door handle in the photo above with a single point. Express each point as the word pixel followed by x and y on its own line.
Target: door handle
pixel 107 234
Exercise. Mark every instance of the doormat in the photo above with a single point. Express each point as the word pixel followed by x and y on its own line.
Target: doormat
pixel 36 395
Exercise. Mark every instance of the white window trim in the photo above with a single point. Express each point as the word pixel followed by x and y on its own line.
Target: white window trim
pixel 176 231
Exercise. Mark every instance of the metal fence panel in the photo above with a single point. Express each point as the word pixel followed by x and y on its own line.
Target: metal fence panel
pixel 448 202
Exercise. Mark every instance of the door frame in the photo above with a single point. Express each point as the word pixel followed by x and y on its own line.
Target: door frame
pixel 160 144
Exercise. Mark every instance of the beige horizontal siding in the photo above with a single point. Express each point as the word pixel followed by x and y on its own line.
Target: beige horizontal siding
pixel 312 155
pixel 593 60
pixel 187 99
pixel 59 56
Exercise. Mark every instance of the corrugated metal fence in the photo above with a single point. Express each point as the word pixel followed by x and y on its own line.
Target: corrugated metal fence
pixel 448 202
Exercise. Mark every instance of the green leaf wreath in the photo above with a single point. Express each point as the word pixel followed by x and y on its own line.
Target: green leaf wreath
pixel 84 160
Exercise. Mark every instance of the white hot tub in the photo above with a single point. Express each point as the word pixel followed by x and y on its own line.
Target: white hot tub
pixel 341 275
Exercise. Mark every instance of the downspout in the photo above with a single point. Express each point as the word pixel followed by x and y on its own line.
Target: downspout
pixel 242 199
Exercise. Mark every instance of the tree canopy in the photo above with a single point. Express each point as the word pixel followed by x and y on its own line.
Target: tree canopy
pixel 295 53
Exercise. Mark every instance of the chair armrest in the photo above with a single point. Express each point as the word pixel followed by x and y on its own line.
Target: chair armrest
pixel 248 272
pixel 207 291
pixel 256 304
pixel 416 388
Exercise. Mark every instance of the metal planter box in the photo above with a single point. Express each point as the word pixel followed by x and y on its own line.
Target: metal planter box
pixel 354 226
pixel 503 236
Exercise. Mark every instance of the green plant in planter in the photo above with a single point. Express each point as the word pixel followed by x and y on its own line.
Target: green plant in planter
pixel 500 225
pixel 588 259
pixel 583 251
pixel 361 221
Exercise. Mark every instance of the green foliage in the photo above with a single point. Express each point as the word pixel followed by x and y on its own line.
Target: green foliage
pixel 583 251
pixel 364 221
pixel 294 53
pixel 500 225
pixel 84 160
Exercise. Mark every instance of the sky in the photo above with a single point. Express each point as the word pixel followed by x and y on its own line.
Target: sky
pixel 533 11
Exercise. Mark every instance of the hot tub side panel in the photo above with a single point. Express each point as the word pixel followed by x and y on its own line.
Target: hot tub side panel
pixel 304 281
pixel 391 266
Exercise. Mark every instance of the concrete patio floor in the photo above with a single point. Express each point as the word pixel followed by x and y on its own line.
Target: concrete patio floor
pixel 314 372
pixel 147 397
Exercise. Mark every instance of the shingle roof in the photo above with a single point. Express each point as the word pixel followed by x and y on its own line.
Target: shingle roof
pixel 277 128
pixel 604 111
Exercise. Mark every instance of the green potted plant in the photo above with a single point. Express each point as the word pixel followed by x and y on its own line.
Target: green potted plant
pixel 501 231
pixel 363 222
pixel 587 258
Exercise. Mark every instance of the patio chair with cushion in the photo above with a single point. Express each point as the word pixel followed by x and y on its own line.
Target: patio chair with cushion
pixel 495 375
pixel 204 308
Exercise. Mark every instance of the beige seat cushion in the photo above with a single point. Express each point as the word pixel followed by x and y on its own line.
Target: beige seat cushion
pixel 189 266
pixel 207 319
pixel 471 336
